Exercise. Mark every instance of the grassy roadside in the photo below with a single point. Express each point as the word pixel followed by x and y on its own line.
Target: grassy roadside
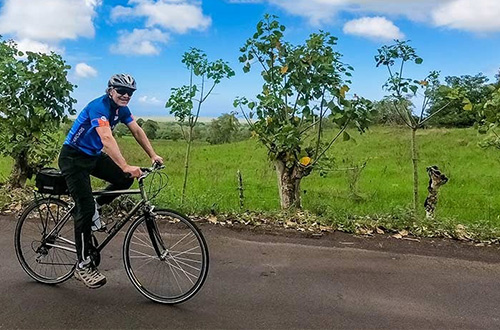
pixel 371 200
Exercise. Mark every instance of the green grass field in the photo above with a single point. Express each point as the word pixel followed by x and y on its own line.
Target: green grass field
pixel 385 185
pixel 384 188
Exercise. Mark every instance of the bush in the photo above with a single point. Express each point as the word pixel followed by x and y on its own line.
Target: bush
pixel 120 130
pixel 150 127
pixel 224 129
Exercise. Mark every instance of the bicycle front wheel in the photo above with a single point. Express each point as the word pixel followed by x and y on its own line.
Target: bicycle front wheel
pixel 166 257
pixel 44 241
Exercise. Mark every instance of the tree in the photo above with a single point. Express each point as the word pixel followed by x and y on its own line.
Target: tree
pixel 171 131
pixel 475 89
pixel 185 102
pixel 150 127
pixel 120 130
pixel 140 122
pixel 489 118
pixel 223 129
pixel 386 114
pixel 34 98
pixel 303 88
pixel 402 89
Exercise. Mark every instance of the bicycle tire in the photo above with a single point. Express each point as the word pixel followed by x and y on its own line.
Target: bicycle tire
pixel 43 263
pixel 184 268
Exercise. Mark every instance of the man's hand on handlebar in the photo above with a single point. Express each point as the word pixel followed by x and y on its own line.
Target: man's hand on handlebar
pixel 157 160
pixel 133 171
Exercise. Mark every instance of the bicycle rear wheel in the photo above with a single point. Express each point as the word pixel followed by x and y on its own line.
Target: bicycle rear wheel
pixel 44 241
pixel 171 267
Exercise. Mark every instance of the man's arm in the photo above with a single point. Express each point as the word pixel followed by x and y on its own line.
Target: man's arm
pixel 143 140
pixel 112 150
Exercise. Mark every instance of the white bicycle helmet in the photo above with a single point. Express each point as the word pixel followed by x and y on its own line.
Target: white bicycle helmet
pixel 122 80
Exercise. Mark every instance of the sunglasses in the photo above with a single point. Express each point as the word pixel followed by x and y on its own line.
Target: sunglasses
pixel 124 90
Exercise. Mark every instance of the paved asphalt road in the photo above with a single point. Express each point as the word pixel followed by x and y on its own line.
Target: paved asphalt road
pixel 259 281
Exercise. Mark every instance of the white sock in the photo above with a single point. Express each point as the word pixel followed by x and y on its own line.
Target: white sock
pixel 84 263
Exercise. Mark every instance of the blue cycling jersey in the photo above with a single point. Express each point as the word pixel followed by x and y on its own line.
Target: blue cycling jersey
pixel 99 112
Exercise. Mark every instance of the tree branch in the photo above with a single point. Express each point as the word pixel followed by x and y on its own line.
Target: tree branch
pixel 424 106
pixel 320 121
pixel 259 59
pixel 182 130
pixel 432 115
pixel 210 91
pixel 253 127
pixel 401 115
pixel 331 142
pixel 308 127
pixel 201 100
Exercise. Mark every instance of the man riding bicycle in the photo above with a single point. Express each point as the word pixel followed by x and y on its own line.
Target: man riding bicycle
pixel 82 155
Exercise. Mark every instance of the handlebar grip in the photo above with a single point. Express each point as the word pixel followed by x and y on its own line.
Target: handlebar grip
pixel 156 166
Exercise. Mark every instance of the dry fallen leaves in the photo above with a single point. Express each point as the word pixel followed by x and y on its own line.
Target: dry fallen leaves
pixel 212 219
pixel 461 233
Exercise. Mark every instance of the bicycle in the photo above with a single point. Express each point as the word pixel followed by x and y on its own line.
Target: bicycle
pixel 164 253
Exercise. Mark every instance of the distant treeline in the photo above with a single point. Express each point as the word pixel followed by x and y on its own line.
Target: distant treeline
pixel 227 128
pixel 224 129
pixel 477 89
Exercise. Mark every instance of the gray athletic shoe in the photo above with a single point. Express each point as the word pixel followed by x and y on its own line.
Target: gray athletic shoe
pixel 90 276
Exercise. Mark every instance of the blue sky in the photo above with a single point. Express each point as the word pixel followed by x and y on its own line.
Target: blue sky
pixel 147 38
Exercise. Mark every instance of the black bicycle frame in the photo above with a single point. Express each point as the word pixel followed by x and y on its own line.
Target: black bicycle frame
pixel 150 225
pixel 119 225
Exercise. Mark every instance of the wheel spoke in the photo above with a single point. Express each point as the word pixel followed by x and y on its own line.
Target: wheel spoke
pixel 182 268
pixel 35 249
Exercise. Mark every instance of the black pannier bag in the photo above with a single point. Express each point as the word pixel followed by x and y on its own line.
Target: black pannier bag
pixel 51 181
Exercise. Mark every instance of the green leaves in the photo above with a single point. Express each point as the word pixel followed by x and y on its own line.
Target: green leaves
pixel 35 99
pixel 489 119
pixel 181 100
pixel 397 55
pixel 467 104
pixel 304 88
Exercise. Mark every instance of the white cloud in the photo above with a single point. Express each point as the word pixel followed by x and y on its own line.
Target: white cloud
pixel 324 11
pixel 25 45
pixel 175 15
pixel 316 11
pixel 378 28
pixel 140 42
pixel 48 20
pixel 467 15
pixel 83 70
pixel 471 15
pixel 416 10
pixel 151 100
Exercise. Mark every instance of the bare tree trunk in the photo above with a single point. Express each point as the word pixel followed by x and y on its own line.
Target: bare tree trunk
pixel 289 185
pixel 186 166
pixel 20 172
pixel 414 159
pixel 436 180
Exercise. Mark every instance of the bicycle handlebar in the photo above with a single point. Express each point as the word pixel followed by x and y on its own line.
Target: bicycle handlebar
pixel 147 170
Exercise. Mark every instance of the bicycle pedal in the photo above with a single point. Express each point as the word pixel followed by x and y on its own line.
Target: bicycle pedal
pixel 103 229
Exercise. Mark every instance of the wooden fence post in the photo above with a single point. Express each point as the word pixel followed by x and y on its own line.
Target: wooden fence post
pixel 436 180
pixel 240 189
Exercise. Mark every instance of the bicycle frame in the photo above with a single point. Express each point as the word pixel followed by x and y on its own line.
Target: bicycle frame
pixel 142 204
pixel 164 253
